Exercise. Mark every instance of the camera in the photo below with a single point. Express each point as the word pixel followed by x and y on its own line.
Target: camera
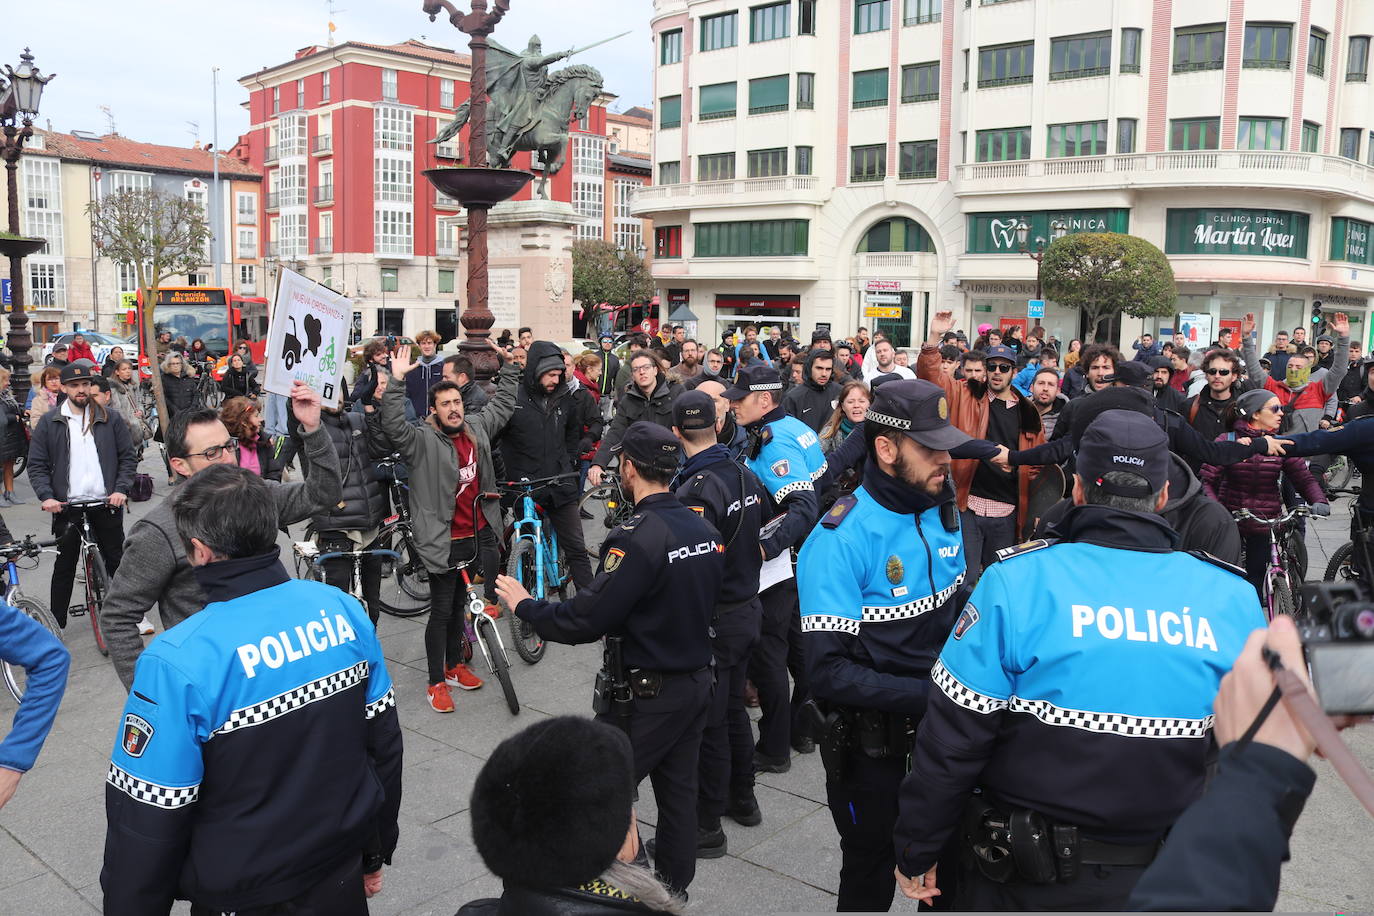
pixel 1338 637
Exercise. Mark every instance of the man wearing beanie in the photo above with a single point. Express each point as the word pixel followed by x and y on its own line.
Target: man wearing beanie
pixel 553 817
pixel 1076 694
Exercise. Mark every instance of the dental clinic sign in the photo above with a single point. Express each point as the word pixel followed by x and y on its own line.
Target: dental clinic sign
pixel 1350 241
pixel 995 233
pixel 1271 233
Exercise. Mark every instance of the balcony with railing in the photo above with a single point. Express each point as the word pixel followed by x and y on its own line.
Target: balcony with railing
pixel 247 251
pixel 443 202
pixel 446 248
pixel 246 217
pixel 271 155
pixel 322 145
pixel 273 200
pixel 323 245
pixel 788 189
pixel 324 193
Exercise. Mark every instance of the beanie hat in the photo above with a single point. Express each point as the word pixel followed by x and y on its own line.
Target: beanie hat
pixel 552 805
pixel 1251 402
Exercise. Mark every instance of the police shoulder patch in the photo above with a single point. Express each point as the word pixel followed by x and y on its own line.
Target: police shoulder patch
pixel 612 561
pixel 699 510
pixel 966 620
pixel 1016 550
pixel 136 735
pixel 781 467
pixel 837 512
pixel 1206 557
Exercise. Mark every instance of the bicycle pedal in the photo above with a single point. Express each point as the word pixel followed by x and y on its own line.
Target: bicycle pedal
pixel 76 610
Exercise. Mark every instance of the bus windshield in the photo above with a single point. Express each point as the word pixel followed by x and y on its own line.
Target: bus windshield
pixel 208 322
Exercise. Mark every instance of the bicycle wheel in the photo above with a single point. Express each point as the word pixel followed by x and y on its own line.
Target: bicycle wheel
pixel 1283 598
pixel 1338 473
pixel 500 666
pixel 528 645
pixel 1341 567
pixel 16 678
pixel 405 593
pixel 97 587
pixel 608 508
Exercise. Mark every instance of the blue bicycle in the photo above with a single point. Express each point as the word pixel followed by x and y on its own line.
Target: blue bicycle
pixel 535 560
pixel 15 677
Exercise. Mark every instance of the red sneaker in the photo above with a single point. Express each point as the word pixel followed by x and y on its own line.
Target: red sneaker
pixel 439 698
pixel 461 677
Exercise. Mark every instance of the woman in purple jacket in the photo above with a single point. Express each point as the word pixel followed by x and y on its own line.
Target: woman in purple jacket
pixel 1256 482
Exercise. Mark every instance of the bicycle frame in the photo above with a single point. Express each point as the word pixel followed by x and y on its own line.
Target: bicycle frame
pixel 475 615
pixel 1278 568
pixel 545 561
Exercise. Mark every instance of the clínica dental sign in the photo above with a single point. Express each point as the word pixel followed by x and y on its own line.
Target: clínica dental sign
pixel 1273 233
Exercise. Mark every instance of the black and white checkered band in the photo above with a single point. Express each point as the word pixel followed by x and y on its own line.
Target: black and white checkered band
pixel 829 623
pixel 381 705
pixel 912 608
pixel 766 386
pixel 886 420
pixel 969 699
pixel 820 471
pixel 292 700
pixel 150 793
pixel 793 487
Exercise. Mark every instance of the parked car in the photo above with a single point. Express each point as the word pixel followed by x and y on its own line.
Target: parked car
pixel 100 343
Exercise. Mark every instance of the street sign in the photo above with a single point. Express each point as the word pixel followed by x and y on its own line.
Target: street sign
pixel 5 291
pixel 892 298
pixel 882 311
pixel 1035 308
pixel 883 286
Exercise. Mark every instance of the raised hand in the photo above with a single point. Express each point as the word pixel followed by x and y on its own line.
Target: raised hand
pixel 305 404
pixel 401 362
pixel 1247 324
pixel 1340 323
pixel 941 322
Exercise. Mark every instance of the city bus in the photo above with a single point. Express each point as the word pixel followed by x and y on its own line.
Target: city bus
pixel 215 315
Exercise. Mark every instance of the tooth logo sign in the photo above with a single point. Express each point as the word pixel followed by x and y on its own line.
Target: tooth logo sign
pixel 1003 232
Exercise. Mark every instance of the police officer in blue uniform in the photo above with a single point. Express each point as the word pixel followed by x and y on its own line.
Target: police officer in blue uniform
pixel 1076 694
pixel 658 585
pixel 878 581
pixel 732 499
pixel 786 455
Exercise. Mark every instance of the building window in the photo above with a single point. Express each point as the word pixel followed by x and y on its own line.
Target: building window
pixel 1125 135
pixel 291 185
pixel 324 86
pixel 1261 133
pixel 1000 145
pixel 248 243
pixel 276 99
pixel 806 17
pixel 917 160
pixel 806 91
pixel 394 128
pixel 445 284
pixel 292 131
pixel 1311 136
pixel 669 172
pixel 870 16
pixel 327 276
pixel 802 160
pixel 868 163
pixel 769 23
pixel 246 207
pixel 43 201
pixel 1316 53
pixel 300 93
pixel 670 112
pixel 589 155
pixel 326 241
pixel 766 163
pixel 388 85
pixel 127 278
pixel 870 88
pixel 445 93
pixel 895 234
pixel 130 181
pixel 1357 62
pixel 1199 47
pixel 628 231
pixel 921 82
pixel 390 279
pixel 1350 142
pixel 778 238
pixel 668 242
pixel 1130 51
pixel 1194 133
pixel 718 101
pixel 394 231
pixel 1086 138
pixel 248 279
pixel 917 12
pixel 719 31
pixel 446 236
pixel 1268 45
pixel 394 178
pixel 1081 56
pixel 1006 65
pixel 293 235
pixel 47 285
pixel 1369 154
pixel 770 93
pixel 670 47
pixel 716 167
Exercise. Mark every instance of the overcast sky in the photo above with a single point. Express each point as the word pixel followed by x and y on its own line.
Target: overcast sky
pixel 150 61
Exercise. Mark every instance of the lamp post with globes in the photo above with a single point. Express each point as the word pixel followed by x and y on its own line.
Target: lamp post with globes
pixel 1058 229
pixel 20 93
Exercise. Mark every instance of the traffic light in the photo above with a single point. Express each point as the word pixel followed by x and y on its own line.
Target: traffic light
pixel 1316 311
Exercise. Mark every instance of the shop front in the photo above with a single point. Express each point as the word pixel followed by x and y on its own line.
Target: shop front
pixel 895 308
pixel 1003 303
pixel 735 311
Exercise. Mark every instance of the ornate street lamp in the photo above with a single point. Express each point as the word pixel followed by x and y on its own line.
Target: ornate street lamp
pixel 1058 229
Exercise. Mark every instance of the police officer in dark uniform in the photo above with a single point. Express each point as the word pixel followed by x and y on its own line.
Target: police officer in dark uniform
pixel 733 500
pixel 878 578
pixel 657 587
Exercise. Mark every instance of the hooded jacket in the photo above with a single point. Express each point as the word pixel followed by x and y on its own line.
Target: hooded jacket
pixel 811 403
pixel 634 406
pixel 1255 483
pixel 427 371
pixel 542 437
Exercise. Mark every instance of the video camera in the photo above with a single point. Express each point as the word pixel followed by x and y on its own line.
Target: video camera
pixel 1338 637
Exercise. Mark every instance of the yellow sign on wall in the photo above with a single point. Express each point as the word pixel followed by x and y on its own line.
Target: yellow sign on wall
pixel 882 311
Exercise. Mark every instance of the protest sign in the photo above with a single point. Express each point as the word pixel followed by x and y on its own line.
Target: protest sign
pixel 306 338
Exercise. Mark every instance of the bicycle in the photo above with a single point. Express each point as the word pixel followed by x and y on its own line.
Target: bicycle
pixel 15 676
pixel 534 559
pixel 611 504
pixel 308 552
pixel 479 627
pixel 1343 566
pixel 405 587
pixel 1277 594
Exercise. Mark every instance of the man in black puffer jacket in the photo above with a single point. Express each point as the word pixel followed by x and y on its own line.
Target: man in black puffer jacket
pixel 647 396
pixel 814 400
pixel 541 440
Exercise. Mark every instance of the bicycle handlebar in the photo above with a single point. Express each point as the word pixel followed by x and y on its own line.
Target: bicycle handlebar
pixel 335 554
pixel 101 503
pixel 1345 491
pixel 537 482
pixel 29 546
pixel 1245 515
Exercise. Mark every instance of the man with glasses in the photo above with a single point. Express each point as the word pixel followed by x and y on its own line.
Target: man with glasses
pixel 155 569
pixel 649 396
pixel 1204 411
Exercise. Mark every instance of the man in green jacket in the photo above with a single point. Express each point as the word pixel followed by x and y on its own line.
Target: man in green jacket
pixel 449 459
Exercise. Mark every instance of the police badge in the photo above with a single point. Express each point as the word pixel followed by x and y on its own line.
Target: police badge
pixel 613 558
pixel 136 735
pixel 780 468
pixel 895 571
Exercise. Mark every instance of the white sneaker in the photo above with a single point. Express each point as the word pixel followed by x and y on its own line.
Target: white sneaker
pixel 145 626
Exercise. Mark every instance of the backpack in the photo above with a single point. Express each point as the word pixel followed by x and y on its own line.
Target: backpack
pixel 142 490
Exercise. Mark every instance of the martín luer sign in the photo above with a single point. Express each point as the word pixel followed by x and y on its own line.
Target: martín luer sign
pixel 1271 233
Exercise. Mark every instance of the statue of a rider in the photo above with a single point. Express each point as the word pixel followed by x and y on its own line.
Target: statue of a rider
pixel 516 83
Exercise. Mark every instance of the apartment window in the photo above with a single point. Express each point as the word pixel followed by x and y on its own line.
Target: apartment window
pixel 43 200
pixel 668 241
pixel 670 112
pixel 870 88
pixel 921 82
pixel 291 185
pixel 870 16
pixel 716 167
pixel 388 85
pixel 589 155
pixel 806 17
pixel 896 234
pixel 767 163
pixel 394 178
pixel 917 160
pixel 326 244
pixel 1199 47
pixel 325 86
pixel 1194 133
pixel 752 239
pixel 719 31
pixel 127 278
pixel 248 279
pixel 445 282
pixel 718 101
pixel 1311 136
pixel 1080 56
pixel 393 128
pixel 1085 138
pixel 1268 45
pixel 769 23
pixel 770 93
pixel 248 243
pixel 445 93
pixel 1000 145
pixel 292 131
pixel 1357 61
pixel 1130 51
pixel 669 172
pixel 47 285
pixel 670 47
pixel 246 206
pixel 628 231
pixel 276 99
pixel 47 225
pixel 1125 135
pixel 917 12
pixel 1261 133
pixel 802 160
pixel 806 90
pixel 390 279
pixel 1316 53
pixel 293 237
pixel 300 93
pixel 1006 65
pixel 326 180
pixel 394 231
pixel 868 163
pixel 327 276
pixel 1369 154
pixel 1350 142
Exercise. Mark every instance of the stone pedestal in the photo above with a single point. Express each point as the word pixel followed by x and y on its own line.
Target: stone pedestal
pixel 529 244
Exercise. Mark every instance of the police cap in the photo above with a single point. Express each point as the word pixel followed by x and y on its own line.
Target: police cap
pixel 751 379
pixel 695 410
pixel 1123 440
pixel 651 445
pixel 1132 373
pixel 918 408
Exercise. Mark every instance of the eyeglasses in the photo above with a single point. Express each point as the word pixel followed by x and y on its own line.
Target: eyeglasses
pixel 1218 371
pixel 1000 367
pixel 215 451
pixel 642 369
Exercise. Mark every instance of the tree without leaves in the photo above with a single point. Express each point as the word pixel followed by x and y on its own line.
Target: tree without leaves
pixel 1108 273
pixel 163 236
pixel 602 274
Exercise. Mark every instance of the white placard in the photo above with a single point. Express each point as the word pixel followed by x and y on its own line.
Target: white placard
pixel 503 296
pixel 1196 329
pixel 307 337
